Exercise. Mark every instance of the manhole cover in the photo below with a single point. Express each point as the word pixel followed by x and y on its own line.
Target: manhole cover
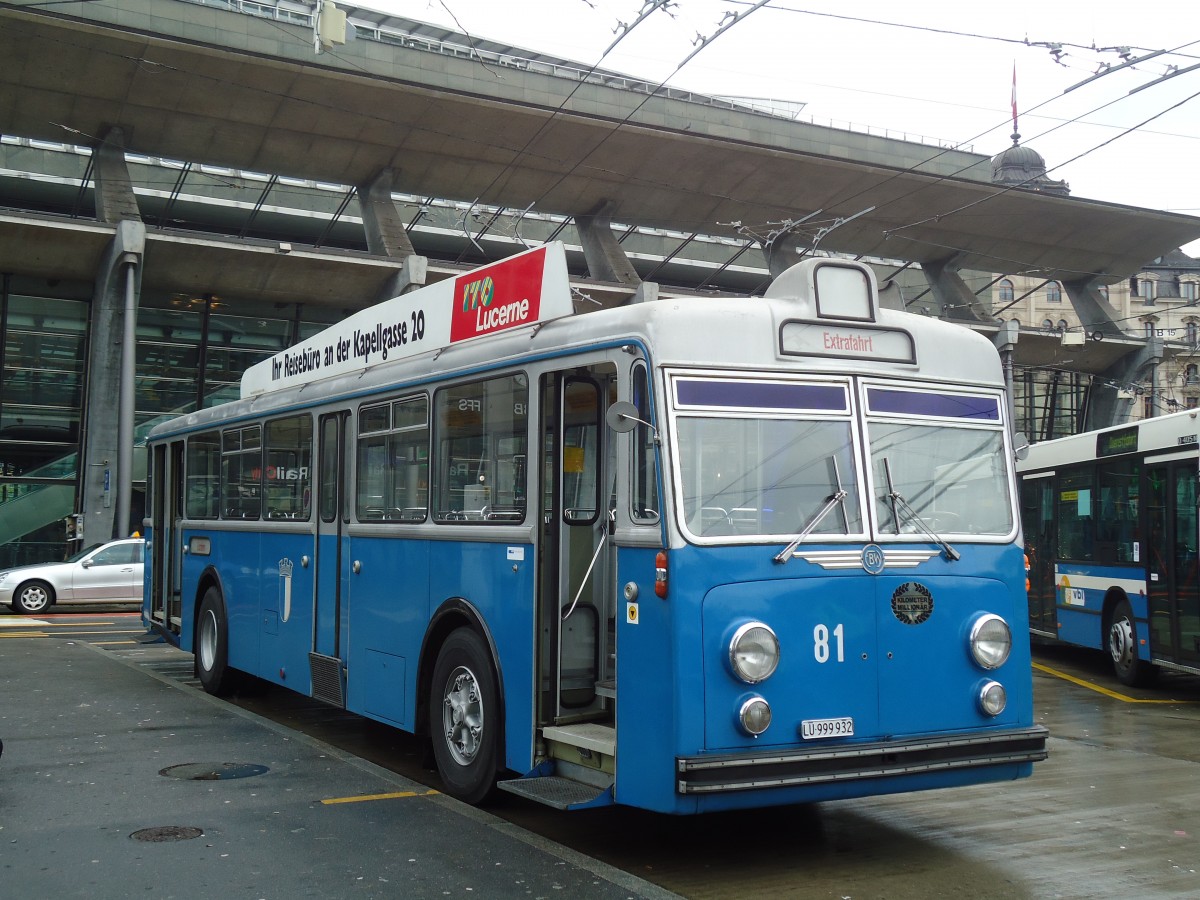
pixel 213 771
pixel 163 833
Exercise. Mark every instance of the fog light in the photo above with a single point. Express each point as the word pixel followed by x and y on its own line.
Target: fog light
pixel 755 716
pixel 992 698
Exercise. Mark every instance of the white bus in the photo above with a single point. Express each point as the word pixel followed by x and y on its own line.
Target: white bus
pixel 1111 535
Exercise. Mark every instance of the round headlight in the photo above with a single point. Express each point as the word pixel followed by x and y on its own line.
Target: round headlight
pixel 991 641
pixel 754 716
pixel 992 698
pixel 754 652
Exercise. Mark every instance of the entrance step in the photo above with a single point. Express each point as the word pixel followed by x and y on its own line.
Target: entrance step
pixel 555 791
pixel 584 735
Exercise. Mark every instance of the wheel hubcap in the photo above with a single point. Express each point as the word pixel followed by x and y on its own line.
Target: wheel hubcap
pixel 462 716
pixel 33 598
pixel 208 641
pixel 1120 643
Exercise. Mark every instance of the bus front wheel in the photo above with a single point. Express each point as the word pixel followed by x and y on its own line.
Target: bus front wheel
pixel 212 645
pixel 1123 648
pixel 464 717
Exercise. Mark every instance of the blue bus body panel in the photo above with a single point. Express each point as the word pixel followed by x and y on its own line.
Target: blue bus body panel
pixel 499 581
pixel 895 678
pixel 385 612
pixel 390 608
pixel 1079 601
pixel 286 610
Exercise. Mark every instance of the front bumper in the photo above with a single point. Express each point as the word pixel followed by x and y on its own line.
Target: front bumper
pixel 827 764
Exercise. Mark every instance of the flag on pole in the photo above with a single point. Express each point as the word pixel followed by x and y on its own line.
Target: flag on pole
pixel 1014 97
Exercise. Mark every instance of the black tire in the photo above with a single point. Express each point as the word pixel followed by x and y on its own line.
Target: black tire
pixel 464 717
pixel 211 646
pixel 33 597
pixel 1122 647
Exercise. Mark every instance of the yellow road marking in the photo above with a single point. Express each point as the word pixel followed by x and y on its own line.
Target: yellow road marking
pixel 1124 698
pixel 139 631
pixel 75 624
pixel 21 634
pixel 395 796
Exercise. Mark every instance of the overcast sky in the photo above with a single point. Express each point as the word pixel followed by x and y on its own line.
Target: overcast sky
pixel 940 70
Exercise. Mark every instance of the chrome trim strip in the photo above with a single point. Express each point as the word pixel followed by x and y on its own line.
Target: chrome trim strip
pixel 852 559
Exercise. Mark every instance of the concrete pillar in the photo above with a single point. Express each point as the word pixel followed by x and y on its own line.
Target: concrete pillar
pixel 115 199
pixel 107 464
pixel 952 294
pixel 605 257
pixel 785 250
pixel 1092 308
pixel 386 235
pixel 1105 407
pixel 411 275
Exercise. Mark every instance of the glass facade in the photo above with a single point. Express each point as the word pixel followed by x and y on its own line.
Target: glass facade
pixel 190 353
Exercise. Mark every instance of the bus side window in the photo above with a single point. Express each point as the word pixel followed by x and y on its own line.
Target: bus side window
pixel 481 434
pixel 1116 522
pixel 393 461
pixel 241 473
pixel 1076 527
pixel 203 475
pixel 289 462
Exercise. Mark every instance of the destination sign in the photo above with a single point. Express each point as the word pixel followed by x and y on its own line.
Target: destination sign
pixel 846 342
pixel 1114 443
pixel 521 290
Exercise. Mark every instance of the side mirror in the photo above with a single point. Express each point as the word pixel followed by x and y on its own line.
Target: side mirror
pixel 87 563
pixel 1020 445
pixel 622 417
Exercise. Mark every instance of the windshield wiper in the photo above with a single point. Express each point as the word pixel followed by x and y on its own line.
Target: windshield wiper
pixel 897 499
pixel 837 498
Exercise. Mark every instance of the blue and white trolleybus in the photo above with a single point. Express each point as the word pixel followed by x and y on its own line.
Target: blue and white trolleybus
pixel 685 555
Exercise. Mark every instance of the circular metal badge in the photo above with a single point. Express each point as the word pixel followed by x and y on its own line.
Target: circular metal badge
pixel 873 559
pixel 912 603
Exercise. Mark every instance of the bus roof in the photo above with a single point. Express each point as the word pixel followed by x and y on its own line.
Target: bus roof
pixel 1163 434
pixel 820 316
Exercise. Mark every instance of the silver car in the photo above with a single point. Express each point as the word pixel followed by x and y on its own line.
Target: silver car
pixel 107 573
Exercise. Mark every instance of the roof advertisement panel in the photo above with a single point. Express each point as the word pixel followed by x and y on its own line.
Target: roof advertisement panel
pixel 521 290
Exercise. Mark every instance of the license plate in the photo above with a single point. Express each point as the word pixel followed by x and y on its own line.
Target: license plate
pixel 815 729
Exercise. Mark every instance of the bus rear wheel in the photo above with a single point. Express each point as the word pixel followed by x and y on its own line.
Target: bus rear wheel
pixel 1123 648
pixel 212 646
pixel 464 717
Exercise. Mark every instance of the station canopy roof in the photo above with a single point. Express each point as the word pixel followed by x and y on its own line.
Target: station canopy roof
pixel 312 116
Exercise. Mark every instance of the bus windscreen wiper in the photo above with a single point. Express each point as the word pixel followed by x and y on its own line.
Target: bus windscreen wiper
pixel 898 502
pixel 837 498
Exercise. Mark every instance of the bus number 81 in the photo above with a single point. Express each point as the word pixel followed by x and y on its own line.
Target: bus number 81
pixel 821 643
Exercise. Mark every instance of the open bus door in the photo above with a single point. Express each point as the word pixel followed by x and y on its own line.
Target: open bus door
pixel 166 549
pixel 576 593
pixel 1037 519
pixel 329 583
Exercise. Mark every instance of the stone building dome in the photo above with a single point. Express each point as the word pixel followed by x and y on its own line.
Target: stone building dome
pixel 1024 167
